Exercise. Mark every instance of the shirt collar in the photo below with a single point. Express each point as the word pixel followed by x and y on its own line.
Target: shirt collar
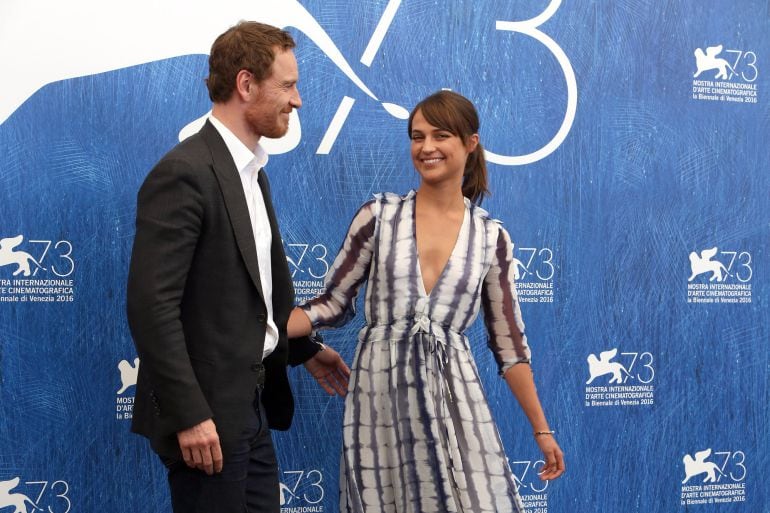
pixel 242 155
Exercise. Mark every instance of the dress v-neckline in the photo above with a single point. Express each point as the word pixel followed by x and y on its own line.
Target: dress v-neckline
pixel 422 290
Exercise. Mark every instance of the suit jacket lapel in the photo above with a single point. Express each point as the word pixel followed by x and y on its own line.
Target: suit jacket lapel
pixel 235 200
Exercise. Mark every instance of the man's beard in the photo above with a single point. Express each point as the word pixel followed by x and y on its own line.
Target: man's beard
pixel 272 127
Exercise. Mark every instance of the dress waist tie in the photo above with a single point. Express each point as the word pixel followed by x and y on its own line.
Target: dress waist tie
pixel 433 332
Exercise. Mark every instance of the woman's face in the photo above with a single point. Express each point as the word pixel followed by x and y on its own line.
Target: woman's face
pixel 437 154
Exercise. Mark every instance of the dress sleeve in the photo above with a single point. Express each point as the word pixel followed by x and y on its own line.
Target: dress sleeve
pixel 336 306
pixel 502 314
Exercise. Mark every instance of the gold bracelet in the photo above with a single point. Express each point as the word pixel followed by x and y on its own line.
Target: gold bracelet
pixel 539 433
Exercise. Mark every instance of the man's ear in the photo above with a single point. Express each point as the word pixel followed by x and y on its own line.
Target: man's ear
pixel 244 84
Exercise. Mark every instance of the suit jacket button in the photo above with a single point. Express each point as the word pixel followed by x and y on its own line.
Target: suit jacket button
pixel 259 369
pixel 261 317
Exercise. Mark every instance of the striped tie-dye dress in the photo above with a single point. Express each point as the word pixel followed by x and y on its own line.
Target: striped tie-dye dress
pixel 418 433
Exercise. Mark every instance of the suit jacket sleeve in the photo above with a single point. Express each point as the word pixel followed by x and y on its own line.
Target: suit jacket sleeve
pixel 302 349
pixel 170 211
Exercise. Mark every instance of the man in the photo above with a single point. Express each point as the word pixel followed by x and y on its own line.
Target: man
pixel 209 290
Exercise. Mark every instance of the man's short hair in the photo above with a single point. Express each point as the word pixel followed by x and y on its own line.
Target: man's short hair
pixel 248 45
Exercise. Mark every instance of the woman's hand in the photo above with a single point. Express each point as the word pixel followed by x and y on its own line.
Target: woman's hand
pixel 329 370
pixel 552 455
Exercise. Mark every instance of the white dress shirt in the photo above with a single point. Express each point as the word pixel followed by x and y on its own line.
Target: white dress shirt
pixel 248 163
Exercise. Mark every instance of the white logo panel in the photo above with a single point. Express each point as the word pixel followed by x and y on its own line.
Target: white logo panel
pixel 302 491
pixel 308 264
pixel 36 270
pixel 713 477
pixel 720 276
pixel 534 273
pixel 725 75
pixel 29 496
pixel 532 489
pixel 124 402
pixel 620 379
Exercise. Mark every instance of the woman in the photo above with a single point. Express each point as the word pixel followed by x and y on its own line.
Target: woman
pixel 418 434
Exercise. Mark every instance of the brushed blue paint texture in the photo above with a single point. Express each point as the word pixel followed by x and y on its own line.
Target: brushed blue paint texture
pixel 646 175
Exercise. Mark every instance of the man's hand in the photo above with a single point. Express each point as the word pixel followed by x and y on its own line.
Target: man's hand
pixel 329 370
pixel 200 447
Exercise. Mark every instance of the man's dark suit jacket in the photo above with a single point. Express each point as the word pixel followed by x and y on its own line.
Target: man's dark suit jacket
pixel 195 304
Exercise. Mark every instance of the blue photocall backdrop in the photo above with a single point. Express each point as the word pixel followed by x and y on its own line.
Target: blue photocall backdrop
pixel 628 160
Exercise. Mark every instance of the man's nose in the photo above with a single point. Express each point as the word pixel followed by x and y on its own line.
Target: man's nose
pixel 296 100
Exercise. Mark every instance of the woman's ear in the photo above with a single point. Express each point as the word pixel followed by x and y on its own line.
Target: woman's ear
pixel 472 142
